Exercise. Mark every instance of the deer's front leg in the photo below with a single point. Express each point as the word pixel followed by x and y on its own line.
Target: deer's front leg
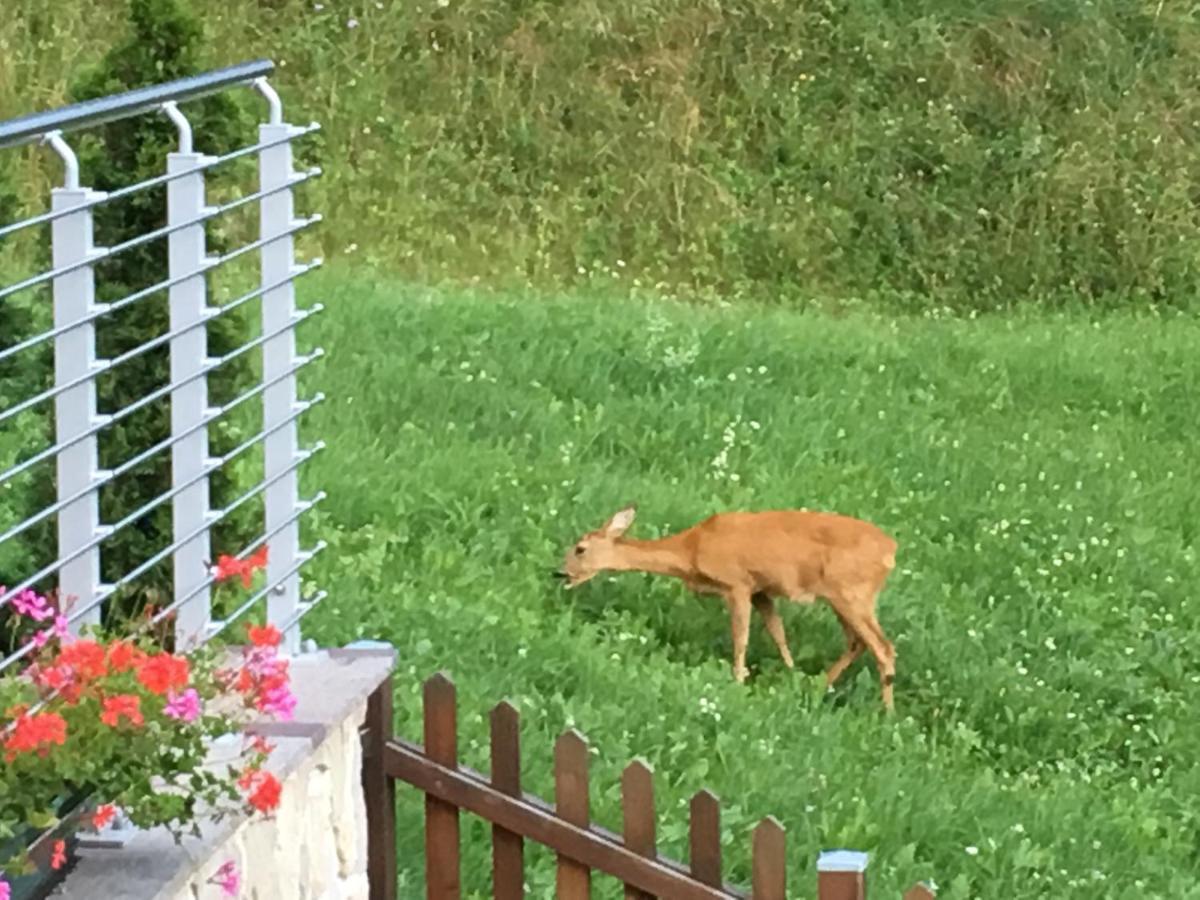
pixel 738 602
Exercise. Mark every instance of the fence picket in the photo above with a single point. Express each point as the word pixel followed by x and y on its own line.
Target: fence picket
pixel 508 849
pixel 637 806
pixel 769 874
pixel 842 875
pixel 704 838
pixel 572 803
pixel 442 874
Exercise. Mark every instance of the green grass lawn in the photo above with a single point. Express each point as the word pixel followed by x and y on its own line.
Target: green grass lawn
pixel 1039 474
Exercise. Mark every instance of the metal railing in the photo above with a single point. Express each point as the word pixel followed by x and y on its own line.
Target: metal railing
pixel 78 424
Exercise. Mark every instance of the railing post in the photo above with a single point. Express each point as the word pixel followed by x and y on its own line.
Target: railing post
pixel 380 791
pixel 75 413
pixel 279 356
pixel 190 462
pixel 842 875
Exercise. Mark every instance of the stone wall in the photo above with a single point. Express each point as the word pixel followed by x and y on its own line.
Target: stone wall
pixel 312 848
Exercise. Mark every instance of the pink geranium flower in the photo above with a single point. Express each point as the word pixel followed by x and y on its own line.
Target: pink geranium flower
pixel 42 638
pixel 184 707
pixel 228 879
pixel 279 702
pixel 30 603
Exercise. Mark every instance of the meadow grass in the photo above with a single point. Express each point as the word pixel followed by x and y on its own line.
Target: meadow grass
pixel 1037 472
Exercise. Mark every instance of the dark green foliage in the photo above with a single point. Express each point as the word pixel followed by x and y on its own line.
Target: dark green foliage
pixel 163 44
pixel 26 373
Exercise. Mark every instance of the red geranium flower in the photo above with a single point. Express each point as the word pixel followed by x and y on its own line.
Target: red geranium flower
pixel 35 733
pixel 261 745
pixel 103 815
pixel 264 635
pixel 229 566
pixel 163 672
pixel 85 658
pixel 123 656
pixel 59 859
pixel 127 706
pixel 265 794
pixel 57 678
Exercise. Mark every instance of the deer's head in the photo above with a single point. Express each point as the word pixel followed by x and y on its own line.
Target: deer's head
pixel 596 551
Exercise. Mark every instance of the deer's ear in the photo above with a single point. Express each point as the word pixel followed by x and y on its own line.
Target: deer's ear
pixel 620 522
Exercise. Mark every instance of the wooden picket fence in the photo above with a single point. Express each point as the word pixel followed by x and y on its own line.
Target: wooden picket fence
pixel 582 847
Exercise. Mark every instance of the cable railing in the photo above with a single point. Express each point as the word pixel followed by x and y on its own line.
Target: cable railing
pixel 76 268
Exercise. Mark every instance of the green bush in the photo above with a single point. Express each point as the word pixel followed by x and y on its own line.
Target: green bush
pixel 22 375
pixel 163 43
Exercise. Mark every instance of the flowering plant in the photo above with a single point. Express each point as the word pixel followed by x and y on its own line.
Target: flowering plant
pixel 129 724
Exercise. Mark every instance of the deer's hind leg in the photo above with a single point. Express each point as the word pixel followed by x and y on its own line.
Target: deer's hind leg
pixel 854 649
pixel 858 610
pixel 765 605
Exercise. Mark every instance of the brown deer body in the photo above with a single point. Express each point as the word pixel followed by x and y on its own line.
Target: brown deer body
pixel 750 559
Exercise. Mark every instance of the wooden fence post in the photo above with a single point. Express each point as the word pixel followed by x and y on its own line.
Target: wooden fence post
pixel 637 806
pixel 572 803
pixel 508 849
pixel 704 838
pixel 379 789
pixel 442 873
pixel 768 862
pixel 842 875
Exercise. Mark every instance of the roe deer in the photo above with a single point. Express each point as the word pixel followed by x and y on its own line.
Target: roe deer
pixel 751 558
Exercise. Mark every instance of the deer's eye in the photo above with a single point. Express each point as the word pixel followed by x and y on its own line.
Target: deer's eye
pixel 579 550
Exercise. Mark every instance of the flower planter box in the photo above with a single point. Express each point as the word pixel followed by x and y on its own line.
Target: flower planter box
pixel 40 845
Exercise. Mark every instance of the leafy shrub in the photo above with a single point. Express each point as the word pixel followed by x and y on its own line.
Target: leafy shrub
pixel 163 43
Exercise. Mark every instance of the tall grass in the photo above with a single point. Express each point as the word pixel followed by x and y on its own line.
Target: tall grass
pixel 932 153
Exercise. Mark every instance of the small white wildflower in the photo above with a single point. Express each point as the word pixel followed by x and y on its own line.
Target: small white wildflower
pixel 352 24
pixel 972 851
